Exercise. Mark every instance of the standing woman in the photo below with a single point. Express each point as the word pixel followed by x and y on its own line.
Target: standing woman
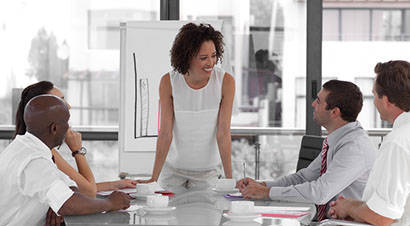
pixel 84 178
pixel 196 105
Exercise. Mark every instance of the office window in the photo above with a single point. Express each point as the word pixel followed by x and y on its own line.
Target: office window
pixel 386 25
pixel 300 90
pixel 355 25
pixel 368 115
pixel 368 36
pixel 75 45
pixel 406 25
pixel 103 25
pixel 331 26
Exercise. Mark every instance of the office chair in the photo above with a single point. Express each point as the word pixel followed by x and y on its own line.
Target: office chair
pixel 310 148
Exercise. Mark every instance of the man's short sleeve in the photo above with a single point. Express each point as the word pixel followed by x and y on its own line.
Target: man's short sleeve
pixel 40 179
pixel 390 182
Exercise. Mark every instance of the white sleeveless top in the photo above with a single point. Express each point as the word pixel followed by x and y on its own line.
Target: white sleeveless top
pixel 194 145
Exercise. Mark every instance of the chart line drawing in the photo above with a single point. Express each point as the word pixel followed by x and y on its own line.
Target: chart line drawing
pixel 141 114
pixel 144 108
pixel 136 94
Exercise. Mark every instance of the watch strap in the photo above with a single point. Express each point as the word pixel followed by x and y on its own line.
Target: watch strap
pixel 80 151
pixel 75 152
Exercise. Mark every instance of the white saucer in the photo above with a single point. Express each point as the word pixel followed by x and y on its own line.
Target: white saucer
pixel 158 210
pixel 140 196
pixel 225 191
pixel 241 217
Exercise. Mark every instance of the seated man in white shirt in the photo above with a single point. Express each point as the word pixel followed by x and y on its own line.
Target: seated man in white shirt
pixel 386 196
pixel 31 182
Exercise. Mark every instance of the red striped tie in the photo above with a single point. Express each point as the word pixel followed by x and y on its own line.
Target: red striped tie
pixel 321 209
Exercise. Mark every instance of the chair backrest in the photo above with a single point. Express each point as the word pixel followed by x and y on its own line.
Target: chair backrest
pixel 310 148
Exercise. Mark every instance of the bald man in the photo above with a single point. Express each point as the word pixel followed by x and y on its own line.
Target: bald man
pixel 31 182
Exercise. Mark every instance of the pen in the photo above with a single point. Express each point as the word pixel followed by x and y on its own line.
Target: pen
pixel 244 173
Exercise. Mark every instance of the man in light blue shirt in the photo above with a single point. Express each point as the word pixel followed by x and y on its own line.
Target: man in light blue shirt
pixel 350 154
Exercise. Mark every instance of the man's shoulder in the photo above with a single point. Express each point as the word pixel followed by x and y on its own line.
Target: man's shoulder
pixel 20 154
pixel 356 133
pixel 399 136
pixel 355 139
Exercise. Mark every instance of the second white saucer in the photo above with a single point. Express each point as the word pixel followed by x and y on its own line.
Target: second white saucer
pixel 158 210
pixel 241 217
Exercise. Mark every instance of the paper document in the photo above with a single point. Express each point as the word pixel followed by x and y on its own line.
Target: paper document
pixel 282 211
pixel 282 208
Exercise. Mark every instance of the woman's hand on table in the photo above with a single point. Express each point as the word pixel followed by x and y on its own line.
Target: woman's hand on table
pixel 122 184
pixel 145 181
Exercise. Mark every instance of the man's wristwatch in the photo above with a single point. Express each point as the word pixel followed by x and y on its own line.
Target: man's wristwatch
pixel 81 151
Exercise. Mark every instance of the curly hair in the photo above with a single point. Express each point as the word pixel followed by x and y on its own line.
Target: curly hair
pixel 28 93
pixel 346 96
pixel 393 81
pixel 188 42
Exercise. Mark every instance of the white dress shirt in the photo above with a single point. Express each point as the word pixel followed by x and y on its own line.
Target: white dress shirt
pixel 388 188
pixel 350 158
pixel 30 182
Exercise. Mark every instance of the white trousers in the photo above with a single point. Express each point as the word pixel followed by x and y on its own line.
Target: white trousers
pixel 176 179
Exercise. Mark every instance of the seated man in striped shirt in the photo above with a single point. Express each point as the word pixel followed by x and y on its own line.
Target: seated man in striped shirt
pixel 344 164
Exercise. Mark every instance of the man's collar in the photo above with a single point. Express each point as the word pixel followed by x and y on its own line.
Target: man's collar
pixel 403 118
pixel 333 137
pixel 36 141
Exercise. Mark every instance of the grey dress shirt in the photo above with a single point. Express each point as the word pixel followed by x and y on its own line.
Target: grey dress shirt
pixel 350 158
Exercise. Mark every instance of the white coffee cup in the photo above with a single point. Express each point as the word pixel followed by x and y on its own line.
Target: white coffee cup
pixel 144 189
pixel 225 184
pixel 157 201
pixel 242 207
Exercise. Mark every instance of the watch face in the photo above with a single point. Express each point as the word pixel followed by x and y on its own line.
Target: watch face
pixel 82 151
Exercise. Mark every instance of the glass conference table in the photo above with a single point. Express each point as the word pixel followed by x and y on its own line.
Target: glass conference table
pixel 200 207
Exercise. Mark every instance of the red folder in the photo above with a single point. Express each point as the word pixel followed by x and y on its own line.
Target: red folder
pixel 165 193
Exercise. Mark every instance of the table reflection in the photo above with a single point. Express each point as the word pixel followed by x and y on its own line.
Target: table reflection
pixel 198 207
